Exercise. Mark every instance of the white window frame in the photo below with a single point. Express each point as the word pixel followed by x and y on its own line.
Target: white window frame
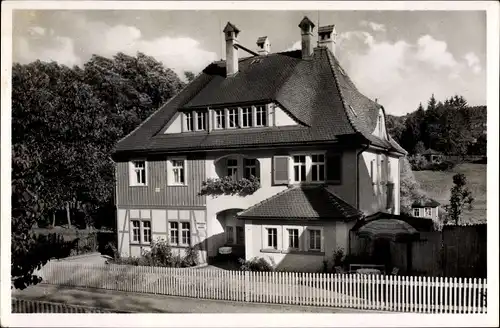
pixel 254 167
pixel 182 230
pixel 428 212
pixel 416 212
pixel 219 113
pixel 308 239
pixel 133 173
pixel 230 111
pixel 189 117
pixel 262 114
pixel 197 115
pixel 265 245
pixel 308 165
pixel 170 171
pixel 318 164
pixel 246 113
pixel 170 230
pixel 141 228
pixel 286 238
pixel 299 165
pixel 232 167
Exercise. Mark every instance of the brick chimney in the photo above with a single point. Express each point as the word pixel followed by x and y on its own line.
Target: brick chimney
pixel 327 37
pixel 231 33
pixel 264 46
pixel 306 29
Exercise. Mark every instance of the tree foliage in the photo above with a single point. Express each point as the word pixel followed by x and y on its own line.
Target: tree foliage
pixel 65 123
pixel 460 199
pixel 451 127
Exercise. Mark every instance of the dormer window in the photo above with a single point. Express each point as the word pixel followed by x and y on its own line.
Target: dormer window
pixel 260 116
pixel 189 121
pixel 246 117
pixel 201 121
pixel 232 118
pixel 220 119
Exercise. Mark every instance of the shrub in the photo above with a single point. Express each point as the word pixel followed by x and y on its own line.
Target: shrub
pixel 191 257
pixel 256 264
pixel 338 257
pixel 418 162
pixel 111 250
pixel 229 186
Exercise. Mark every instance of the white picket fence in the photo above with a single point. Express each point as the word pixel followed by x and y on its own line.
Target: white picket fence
pixel 370 292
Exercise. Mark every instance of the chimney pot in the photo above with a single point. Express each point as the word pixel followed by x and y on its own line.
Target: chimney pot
pixel 306 28
pixel 264 46
pixel 231 34
pixel 327 37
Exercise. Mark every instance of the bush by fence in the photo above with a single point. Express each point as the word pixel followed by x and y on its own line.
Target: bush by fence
pixel 36 306
pixel 391 293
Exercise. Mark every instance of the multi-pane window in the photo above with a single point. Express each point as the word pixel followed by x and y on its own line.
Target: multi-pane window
pixel 136 231
pixel 293 238
pixel 246 117
pixel 232 168
pixel 250 167
pixel 314 239
pixel 174 233
pixel 299 168
pixel 185 233
pixel 318 167
pixel 189 121
pixel 272 238
pixel 146 226
pixel 230 235
pixel 240 235
pixel 201 121
pixel 139 172
pixel 416 212
pixel 260 116
pixel 220 119
pixel 428 212
pixel 232 114
pixel 178 171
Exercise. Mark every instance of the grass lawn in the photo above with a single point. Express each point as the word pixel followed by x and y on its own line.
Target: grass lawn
pixel 437 185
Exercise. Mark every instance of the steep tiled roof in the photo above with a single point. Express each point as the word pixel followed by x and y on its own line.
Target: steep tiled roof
pixel 306 202
pixel 425 203
pixel 316 93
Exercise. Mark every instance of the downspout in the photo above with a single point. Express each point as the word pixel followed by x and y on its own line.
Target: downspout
pixel 357 187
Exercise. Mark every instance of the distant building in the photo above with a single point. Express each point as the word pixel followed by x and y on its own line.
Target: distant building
pixel 432 155
pixel 425 209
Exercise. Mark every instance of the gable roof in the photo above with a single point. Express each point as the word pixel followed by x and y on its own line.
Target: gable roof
pixel 316 93
pixel 304 202
pixel 431 151
pixel 425 203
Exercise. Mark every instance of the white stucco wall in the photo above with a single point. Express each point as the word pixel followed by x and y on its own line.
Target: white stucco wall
pixel 281 118
pixel 395 178
pixel 175 126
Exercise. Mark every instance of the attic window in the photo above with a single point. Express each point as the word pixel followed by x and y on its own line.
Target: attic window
pixel 352 110
pixel 255 61
pixel 341 71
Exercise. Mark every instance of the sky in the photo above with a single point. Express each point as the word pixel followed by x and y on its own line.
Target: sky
pixel 399 57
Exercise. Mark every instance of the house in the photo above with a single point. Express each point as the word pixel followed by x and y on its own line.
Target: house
pixel 425 208
pixel 275 154
pixel 432 155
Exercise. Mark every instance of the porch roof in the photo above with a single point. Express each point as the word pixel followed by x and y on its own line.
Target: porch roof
pixel 302 202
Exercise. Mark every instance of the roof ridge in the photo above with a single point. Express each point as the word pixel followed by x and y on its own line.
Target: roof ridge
pixel 329 55
pixel 266 200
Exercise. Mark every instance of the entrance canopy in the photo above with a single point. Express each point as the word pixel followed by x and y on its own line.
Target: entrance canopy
pixel 393 229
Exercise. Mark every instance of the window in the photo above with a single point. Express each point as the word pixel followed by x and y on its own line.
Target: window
pixel 250 167
pixel 233 117
pixel 260 116
pixel 230 235
pixel 136 231
pixel 246 119
pixel 318 167
pixel 174 233
pixel 299 168
pixel 293 238
pixel 186 233
pixel 138 177
pixel 232 168
pixel 240 235
pixel 201 121
pixel 416 212
pixel 372 171
pixel 314 239
pixel 189 121
pixel 178 172
pixel 272 238
pixel 220 119
pixel 141 231
pixel 428 212
pixel 146 226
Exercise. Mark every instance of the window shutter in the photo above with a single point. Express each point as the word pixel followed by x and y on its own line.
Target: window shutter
pixel 334 167
pixel 372 170
pixel 390 195
pixel 280 169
